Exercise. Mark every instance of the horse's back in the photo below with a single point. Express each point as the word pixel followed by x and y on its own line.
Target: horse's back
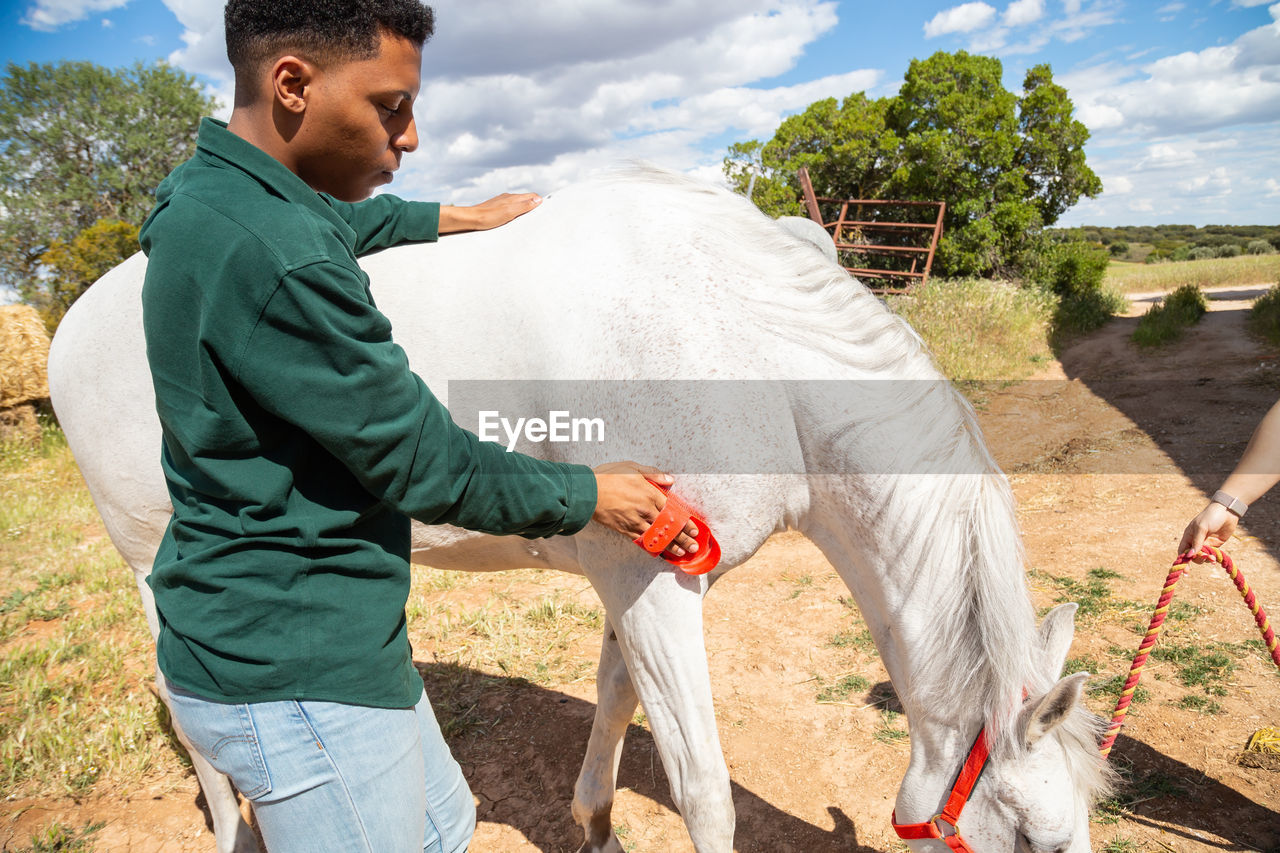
pixel 627 287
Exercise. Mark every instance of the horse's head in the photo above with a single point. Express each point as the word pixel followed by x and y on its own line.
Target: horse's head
pixel 1032 795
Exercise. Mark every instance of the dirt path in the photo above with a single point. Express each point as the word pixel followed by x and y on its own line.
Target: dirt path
pixel 1110 452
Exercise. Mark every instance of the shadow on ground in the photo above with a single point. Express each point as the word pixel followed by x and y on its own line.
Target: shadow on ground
pixel 1157 790
pixel 521 745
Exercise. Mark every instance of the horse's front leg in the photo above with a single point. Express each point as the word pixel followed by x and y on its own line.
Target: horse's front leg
pixel 615 705
pixel 230 832
pixel 656 613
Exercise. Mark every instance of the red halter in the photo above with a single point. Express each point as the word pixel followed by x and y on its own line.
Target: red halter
pixel 937 827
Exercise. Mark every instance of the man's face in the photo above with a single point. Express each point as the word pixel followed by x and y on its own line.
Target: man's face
pixel 358 121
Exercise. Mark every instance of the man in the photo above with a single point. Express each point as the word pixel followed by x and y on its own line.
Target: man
pixel 297 443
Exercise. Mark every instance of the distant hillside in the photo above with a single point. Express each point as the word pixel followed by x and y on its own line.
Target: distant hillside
pixel 1176 242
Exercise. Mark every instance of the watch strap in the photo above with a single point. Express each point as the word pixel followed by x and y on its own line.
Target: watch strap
pixel 1235 506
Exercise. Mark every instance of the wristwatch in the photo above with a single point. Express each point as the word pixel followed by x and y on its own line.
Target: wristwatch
pixel 1235 506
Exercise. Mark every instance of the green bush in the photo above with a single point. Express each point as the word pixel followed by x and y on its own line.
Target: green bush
pixel 1072 268
pixel 1264 316
pixel 1120 247
pixel 1078 313
pixel 1230 250
pixel 1202 253
pixel 1260 247
pixel 1165 321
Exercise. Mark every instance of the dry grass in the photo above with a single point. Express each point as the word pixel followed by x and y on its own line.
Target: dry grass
pixel 24 356
pixel 978 329
pixel 75 653
pixel 1217 272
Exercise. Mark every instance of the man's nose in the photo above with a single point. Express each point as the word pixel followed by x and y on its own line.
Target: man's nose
pixel 407 140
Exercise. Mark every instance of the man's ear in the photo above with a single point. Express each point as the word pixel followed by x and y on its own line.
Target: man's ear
pixel 290 77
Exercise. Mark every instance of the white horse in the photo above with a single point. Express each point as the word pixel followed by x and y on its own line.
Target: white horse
pixel 647 277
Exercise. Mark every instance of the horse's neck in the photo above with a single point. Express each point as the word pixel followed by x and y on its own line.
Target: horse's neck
pixel 909 508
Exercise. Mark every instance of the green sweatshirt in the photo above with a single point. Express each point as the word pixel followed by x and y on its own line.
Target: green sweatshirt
pixel 297 442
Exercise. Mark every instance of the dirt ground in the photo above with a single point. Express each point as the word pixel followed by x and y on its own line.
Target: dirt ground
pixel 1110 451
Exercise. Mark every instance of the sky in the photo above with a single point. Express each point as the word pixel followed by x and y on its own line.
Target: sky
pixel 1182 98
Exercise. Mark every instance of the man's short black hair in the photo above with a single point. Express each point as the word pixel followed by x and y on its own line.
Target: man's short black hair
pixel 319 30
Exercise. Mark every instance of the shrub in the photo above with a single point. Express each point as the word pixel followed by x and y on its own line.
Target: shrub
pixel 1165 321
pixel 1120 247
pixel 1230 250
pixel 1202 253
pixel 1260 247
pixel 1072 268
pixel 1264 316
pixel 1078 313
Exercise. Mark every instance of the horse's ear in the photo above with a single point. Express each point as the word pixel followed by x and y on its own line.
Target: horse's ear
pixel 1052 708
pixel 1056 632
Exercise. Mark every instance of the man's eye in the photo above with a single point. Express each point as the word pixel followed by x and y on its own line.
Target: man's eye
pixel 389 110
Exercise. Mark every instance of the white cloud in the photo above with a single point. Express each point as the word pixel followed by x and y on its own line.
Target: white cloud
pixel 107 24
pixel 514 95
pixel 1272 186
pixel 1119 185
pixel 1237 83
pixel 48 15
pixel 1210 185
pixel 1021 12
pixel 960 19
pixel 1142 205
pixel 1071 7
pixel 1248 4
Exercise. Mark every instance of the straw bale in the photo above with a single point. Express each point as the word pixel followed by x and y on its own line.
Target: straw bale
pixel 24 356
pixel 19 424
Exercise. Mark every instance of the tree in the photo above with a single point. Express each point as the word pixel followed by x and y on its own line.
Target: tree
pixel 80 144
pixel 1006 165
pixel 71 267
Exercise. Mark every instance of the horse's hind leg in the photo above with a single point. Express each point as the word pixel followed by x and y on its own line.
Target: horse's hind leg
pixel 656 615
pixel 615 704
pixel 230 832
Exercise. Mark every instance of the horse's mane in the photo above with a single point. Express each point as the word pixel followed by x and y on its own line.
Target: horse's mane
pixel 985 650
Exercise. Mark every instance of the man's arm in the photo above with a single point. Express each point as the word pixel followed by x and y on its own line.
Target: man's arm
pixel 321 357
pixel 387 220
pixel 498 210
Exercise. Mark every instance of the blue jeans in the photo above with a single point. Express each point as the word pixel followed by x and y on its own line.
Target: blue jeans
pixel 328 776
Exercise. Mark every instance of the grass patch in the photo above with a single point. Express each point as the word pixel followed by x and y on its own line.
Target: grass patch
pixel 1093 594
pixel 57 838
pixel 890 730
pixel 980 329
pixel 1206 667
pixel 1203 704
pixel 1165 321
pixel 1120 845
pixel 1080 664
pixel 840 691
pixel 1264 316
pixel 75 653
pixel 1110 688
pixel 1215 272
pixel 855 639
pixel 1133 789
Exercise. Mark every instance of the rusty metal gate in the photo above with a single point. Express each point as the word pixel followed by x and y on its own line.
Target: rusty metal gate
pixel 861 230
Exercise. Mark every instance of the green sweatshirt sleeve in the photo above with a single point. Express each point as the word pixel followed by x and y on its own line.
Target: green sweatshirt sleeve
pixel 321 356
pixel 385 220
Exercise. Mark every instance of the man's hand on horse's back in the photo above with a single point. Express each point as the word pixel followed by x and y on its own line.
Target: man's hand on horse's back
pixel 498 210
pixel 628 503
